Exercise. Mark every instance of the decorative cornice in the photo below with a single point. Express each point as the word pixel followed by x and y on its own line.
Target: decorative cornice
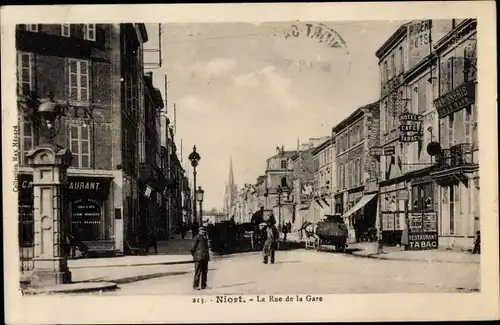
pixel 459 32
pixel 394 39
pixel 425 63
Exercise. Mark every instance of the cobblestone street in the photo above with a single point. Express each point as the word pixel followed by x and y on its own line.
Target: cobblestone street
pixel 314 272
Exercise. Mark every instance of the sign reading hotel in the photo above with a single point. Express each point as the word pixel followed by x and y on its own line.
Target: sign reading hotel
pixel 411 127
pixel 419 34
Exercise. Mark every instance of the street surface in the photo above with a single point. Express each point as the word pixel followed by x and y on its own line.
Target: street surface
pixel 301 271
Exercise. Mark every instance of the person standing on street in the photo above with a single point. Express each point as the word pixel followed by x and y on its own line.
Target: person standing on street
pixel 194 228
pixel 201 256
pixel 271 235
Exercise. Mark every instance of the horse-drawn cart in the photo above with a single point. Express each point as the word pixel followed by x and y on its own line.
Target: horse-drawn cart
pixel 332 231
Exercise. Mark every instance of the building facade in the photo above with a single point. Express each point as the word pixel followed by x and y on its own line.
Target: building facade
pixel 97 68
pixel 354 195
pixel 457 172
pixel 414 69
pixel 278 182
pixel 323 157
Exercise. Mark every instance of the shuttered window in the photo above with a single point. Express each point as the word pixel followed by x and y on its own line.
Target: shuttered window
pixel 28 140
pixel 65 30
pixel 89 32
pixel 24 72
pixel 79 80
pixel 79 139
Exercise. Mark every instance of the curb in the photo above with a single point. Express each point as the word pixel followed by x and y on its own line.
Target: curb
pixel 381 257
pixel 125 265
pixel 79 287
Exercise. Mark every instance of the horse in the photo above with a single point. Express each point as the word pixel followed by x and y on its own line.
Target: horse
pixel 310 231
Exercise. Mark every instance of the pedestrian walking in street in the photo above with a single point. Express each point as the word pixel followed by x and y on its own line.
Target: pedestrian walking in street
pixel 201 256
pixel 270 241
pixel 477 243
pixel 286 229
pixel 194 228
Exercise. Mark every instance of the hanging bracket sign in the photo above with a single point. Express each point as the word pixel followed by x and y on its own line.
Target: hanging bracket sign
pixel 411 127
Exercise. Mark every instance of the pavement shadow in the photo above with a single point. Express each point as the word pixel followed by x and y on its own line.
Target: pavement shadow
pixel 284 262
pixel 352 250
pixel 236 284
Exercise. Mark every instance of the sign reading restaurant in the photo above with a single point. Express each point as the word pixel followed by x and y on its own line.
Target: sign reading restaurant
pixel 456 99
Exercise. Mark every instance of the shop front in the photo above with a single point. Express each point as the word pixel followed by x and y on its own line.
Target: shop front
pixel 393 210
pixel 360 216
pixel 422 217
pixel 88 206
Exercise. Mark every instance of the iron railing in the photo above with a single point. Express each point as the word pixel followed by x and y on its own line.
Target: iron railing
pixel 460 155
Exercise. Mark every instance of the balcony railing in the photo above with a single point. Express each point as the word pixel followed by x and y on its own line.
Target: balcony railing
pixel 460 155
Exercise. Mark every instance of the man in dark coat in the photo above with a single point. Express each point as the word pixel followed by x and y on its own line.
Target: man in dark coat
pixel 271 236
pixel 201 256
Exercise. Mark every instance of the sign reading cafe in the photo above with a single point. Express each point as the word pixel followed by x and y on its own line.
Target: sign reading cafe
pixel 410 127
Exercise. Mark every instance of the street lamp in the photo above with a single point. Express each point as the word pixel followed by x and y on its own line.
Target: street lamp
pixel 194 157
pixel 280 189
pixel 50 163
pixel 199 198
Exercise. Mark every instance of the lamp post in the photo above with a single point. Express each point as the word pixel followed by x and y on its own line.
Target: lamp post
pixel 194 157
pixel 199 197
pixel 50 163
pixel 280 189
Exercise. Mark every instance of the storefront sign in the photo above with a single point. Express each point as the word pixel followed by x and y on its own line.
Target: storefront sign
pixel 411 127
pixel 75 185
pixel 456 99
pixel 376 151
pixel 422 231
pixel 422 241
pixel 379 151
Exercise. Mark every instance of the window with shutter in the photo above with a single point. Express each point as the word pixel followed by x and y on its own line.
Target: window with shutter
pixel 79 81
pixel 24 72
pixel 80 145
pixel 32 28
pixel 458 71
pixel 66 30
pixel 28 140
pixel 89 32
pixel 451 130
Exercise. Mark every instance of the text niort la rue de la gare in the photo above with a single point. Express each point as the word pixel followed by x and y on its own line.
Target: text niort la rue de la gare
pixel 238 299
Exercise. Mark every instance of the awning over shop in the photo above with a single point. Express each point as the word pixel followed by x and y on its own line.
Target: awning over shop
pixel 364 201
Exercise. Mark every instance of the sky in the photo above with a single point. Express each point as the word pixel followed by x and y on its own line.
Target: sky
pixel 242 89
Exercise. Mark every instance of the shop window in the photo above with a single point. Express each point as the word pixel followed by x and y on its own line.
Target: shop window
pixel 79 138
pixel 65 30
pixel 89 32
pixel 25 74
pixel 79 80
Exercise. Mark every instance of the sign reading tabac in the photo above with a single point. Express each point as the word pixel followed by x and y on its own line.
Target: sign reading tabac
pixel 411 127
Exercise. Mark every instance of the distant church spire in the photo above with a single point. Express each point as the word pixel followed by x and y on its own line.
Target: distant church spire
pixel 231 190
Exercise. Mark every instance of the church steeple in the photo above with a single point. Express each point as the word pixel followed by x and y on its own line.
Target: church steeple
pixel 231 190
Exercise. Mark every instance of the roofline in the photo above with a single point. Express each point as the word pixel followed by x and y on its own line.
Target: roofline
pixel 398 34
pixel 354 115
pixel 143 31
pixel 442 43
pixel 322 146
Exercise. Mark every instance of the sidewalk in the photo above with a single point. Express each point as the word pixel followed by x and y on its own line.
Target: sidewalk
pixel 369 250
